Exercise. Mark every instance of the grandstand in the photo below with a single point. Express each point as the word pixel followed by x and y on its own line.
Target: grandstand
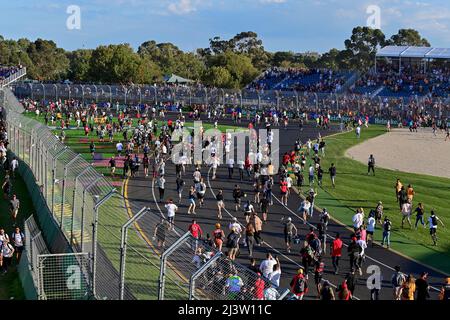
pixel 11 74
pixel 399 72
pixel 314 80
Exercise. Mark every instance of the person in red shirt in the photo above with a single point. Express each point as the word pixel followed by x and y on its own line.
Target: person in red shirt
pixel 292 157
pixel 336 252
pixel 258 289
pixel 195 230
pixel 284 191
pixel 344 293
pixel 286 159
pixel 298 284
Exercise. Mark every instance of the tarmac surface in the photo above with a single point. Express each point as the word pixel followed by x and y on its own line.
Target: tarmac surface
pixel 142 192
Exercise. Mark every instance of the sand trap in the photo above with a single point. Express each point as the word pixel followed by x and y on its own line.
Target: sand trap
pixel 402 150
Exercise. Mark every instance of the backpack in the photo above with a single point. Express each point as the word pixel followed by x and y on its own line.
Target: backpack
pixel 434 220
pixel 397 280
pixel 301 286
pixel 405 291
pixel 232 241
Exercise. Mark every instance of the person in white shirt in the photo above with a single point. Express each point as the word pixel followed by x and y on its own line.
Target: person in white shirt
pixel 14 167
pixel 304 209
pixel 275 275
pixel 230 165
pixel 358 132
pixel 357 220
pixel 171 210
pixel 289 184
pixel 119 148
pixel 362 244
pixel 235 225
pixel 266 266
pixel 371 222
pixel 406 212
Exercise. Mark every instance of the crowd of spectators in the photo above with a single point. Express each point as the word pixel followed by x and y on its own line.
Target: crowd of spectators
pixel 6 72
pixel 302 80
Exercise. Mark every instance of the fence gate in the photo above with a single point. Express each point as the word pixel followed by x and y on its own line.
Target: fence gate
pixel 64 276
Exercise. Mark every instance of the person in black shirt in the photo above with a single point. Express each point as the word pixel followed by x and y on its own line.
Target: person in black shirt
pixel 420 211
pixel 422 287
pixel 112 165
pixel 332 172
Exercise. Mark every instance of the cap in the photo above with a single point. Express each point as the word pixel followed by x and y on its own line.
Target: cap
pixel 289 219
pixel 300 271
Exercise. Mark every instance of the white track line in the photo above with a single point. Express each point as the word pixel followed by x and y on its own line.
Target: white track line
pixel 266 243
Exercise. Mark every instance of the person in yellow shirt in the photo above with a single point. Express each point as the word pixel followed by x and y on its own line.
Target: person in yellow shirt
pixel 410 192
pixel 398 187
pixel 408 288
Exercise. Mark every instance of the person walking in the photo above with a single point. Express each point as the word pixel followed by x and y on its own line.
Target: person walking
pixel 433 221
pixel 371 165
pixel 420 212
pixel 336 252
pixel 397 280
pixel 14 205
pixel 220 204
pixel 387 224
pixel 288 230
pixel 408 288
pixel 218 236
pixel 161 182
pixel 422 287
pixel 233 243
pixel 191 197
pixel 250 238
pixel 370 230
pixel 171 211
pixel 299 285
pixel 332 171
pixel 406 212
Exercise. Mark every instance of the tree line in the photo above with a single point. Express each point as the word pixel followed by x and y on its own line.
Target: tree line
pixel 231 63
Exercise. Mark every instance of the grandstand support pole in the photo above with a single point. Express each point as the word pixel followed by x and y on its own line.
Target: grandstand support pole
pixel 54 177
pixel 156 95
pixel 69 89
pixel 43 90
pixel 96 93
pixel 94 237
pixel 64 187
pixel 240 96
pixel 83 209
pixel 31 90
pixel 73 202
pixel 56 91
pixel 199 272
pixel 123 248
pixel 162 270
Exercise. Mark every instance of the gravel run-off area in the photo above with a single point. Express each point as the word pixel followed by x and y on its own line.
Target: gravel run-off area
pixel 406 151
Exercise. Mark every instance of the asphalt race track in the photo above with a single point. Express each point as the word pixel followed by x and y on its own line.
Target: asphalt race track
pixel 140 194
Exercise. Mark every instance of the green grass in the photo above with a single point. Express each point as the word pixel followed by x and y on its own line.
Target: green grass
pixel 10 285
pixel 355 189
pixel 142 263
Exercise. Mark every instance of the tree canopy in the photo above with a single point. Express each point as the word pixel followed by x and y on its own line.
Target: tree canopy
pixel 228 63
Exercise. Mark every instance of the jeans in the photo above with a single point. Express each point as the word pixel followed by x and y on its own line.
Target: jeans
pixel 419 218
pixel 386 237
pixel 335 261
pixel 311 209
pixel 250 244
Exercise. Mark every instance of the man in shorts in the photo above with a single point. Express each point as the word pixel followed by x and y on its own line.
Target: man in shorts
pixel 14 207
pixel 171 210
pixel 18 241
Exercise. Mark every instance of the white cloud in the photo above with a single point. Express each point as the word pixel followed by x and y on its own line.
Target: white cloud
pixel 182 7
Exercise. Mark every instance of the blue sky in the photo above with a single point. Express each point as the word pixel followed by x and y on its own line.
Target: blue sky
pixel 297 25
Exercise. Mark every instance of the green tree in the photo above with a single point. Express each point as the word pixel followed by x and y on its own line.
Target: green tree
pixel 363 45
pixel 48 62
pixel 408 37
pixel 219 77
pixel 79 65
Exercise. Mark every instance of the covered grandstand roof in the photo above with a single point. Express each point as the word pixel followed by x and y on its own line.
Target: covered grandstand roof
pixel 173 78
pixel 414 52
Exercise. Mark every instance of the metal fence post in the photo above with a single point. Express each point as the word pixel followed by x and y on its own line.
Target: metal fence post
pixel 195 275
pixel 54 177
pixel 73 204
pixel 123 248
pixel 83 208
pixel 162 271
pixel 64 187
pixel 94 238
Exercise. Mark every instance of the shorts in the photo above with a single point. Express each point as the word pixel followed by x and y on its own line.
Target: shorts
pixel 288 238
pixel 220 203
pixel 432 231
pixel 200 195
pixel 283 193
pixel 317 278
pixel 247 213
pixel 191 201
pixel 18 249
pixel 170 219
pixel 369 232
pixel 237 201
